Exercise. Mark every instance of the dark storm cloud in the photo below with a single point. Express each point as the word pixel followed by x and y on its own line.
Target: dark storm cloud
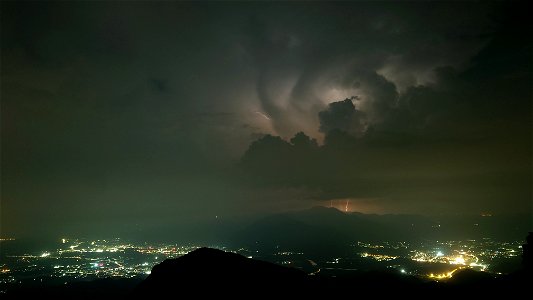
pixel 456 141
pixel 342 115
pixel 98 97
pixel 372 51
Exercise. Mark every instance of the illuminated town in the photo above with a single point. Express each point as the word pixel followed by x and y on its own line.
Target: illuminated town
pixel 440 259
pixel 77 259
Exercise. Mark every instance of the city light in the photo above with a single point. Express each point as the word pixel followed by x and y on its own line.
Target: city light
pixel 443 275
pixel 378 257
pixel 459 260
pixel 79 259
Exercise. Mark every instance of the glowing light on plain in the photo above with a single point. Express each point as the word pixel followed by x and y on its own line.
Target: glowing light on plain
pixel 459 260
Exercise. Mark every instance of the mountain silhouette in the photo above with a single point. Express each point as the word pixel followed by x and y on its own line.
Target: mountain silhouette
pixel 328 230
pixel 207 271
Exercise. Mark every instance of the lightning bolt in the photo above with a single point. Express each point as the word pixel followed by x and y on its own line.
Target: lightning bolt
pixel 263 115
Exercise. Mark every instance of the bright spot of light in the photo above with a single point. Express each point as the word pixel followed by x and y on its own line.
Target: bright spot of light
pixel 403 271
pixel 439 253
pixel 459 260
pixel 45 254
pixel 148 272
pixel 481 266
pixel 443 275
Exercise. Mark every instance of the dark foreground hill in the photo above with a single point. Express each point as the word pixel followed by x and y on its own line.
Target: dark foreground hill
pixel 212 271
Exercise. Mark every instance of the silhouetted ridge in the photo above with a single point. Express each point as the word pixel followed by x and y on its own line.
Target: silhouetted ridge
pixel 217 271
pixel 469 277
pixel 322 210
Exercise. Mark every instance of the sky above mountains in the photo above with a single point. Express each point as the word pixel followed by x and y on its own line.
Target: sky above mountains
pixel 138 114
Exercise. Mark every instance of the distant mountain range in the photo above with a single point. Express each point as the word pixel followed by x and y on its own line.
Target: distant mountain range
pixel 320 227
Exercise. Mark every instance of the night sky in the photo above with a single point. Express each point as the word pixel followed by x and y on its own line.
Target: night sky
pixel 142 114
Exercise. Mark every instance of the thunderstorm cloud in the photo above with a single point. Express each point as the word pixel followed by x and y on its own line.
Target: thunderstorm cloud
pixel 182 111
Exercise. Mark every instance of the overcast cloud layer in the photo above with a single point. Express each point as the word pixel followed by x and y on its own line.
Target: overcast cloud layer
pixel 142 113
